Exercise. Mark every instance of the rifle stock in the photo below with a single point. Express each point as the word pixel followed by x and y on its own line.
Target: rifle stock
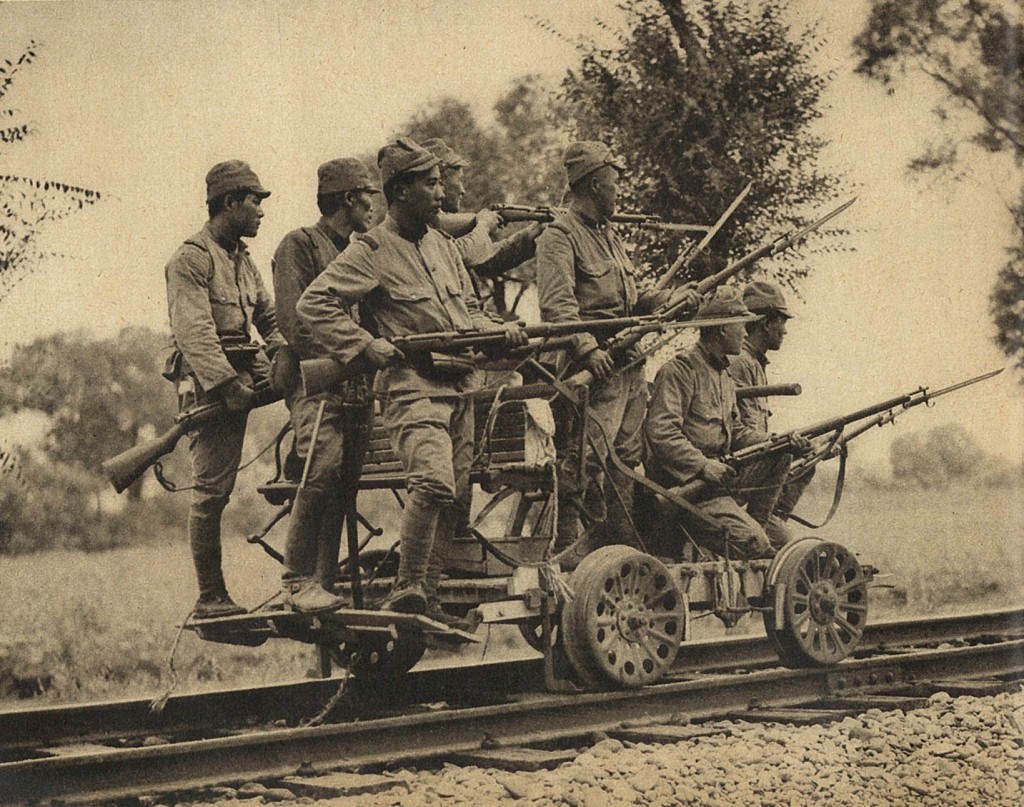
pixel 125 468
pixel 513 213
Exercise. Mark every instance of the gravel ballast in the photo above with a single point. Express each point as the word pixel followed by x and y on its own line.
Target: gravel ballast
pixel 962 751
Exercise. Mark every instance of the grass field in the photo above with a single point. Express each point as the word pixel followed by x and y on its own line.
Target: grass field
pixel 101 625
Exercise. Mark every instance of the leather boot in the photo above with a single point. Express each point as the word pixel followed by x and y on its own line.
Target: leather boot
pixel 416 539
pixel 204 541
pixel 307 596
pixel 300 549
pixel 331 523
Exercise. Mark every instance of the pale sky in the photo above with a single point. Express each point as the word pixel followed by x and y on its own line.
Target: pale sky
pixel 139 99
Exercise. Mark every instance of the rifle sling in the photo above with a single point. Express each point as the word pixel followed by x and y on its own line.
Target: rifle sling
pixel 837 495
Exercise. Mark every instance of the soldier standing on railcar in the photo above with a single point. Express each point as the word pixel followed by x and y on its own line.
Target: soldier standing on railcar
pixel 341 418
pixel 693 419
pixel 748 369
pixel 584 273
pixel 214 296
pixel 408 278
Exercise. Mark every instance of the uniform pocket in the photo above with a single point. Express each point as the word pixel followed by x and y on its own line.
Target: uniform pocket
pixel 594 268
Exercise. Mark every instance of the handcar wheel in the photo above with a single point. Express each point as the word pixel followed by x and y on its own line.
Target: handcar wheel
pixel 379 656
pixel 824 603
pixel 626 620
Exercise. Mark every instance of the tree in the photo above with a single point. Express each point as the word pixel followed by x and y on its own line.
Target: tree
pixel 972 50
pixel 941 456
pixel 27 205
pixel 101 395
pixel 702 97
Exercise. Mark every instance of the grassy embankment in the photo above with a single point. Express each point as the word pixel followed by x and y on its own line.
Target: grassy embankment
pixel 101 625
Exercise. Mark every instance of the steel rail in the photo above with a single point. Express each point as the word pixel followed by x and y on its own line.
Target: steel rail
pixel 118 774
pixel 223 710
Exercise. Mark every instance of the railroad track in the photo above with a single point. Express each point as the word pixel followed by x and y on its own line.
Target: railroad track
pixel 75 754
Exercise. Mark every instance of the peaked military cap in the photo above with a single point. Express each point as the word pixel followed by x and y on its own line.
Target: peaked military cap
pixel 402 157
pixel 586 156
pixel 233 175
pixel 763 297
pixel 448 156
pixel 725 301
pixel 346 174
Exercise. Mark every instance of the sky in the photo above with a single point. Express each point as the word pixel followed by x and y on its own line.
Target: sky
pixel 139 99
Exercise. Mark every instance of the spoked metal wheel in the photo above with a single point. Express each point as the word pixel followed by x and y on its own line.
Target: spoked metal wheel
pixel 625 621
pixel 375 655
pixel 533 632
pixel 821 603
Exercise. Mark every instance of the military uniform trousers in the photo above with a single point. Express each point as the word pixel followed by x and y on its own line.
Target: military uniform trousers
pixel 615 417
pixel 338 448
pixel 433 438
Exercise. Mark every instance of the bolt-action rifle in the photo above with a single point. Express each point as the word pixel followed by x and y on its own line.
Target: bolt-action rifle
pixel 123 469
pixel 511 213
pixel 320 375
pixel 627 339
pixel 880 413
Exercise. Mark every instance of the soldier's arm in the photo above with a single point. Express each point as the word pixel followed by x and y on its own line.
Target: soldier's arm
pixel 481 319
pixel 742 373
pixel 745 433
pixel 325 305
pixel 192 324
pixel 556 282
pixel 292 267
pixel 509 252
pixel 673 391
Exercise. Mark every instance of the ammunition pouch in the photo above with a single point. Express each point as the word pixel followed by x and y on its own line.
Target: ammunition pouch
pixel 447 368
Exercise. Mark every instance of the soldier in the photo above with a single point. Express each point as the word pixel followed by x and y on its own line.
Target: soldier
pixel 214 295
pixel 345 195
pixel 408 278
pixel 584 273
pixel 483 257
pixel 693 420
pixel 748 369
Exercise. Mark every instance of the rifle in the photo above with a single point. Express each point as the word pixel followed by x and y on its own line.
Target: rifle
pixel 123 469
pixel 510 213
pixel 320 375
pixel 882 413
pixel 628 338
pixel 765 390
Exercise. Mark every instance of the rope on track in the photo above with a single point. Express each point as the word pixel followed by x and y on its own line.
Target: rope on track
pixel 156 706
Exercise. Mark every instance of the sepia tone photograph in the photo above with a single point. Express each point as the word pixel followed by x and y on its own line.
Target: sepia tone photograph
pixel 586 403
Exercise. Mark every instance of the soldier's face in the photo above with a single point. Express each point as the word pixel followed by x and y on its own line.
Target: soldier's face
pixel 605 187
pixel 422 197
pixel 454 190
pixel 361 203
pixel 732 338
pixel 775 328
pixel 247 215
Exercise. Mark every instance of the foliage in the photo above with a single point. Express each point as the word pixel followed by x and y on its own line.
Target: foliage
pixel 972 50
pixel 27 205
pixel 102 395
pixel 942 455
pixel 515 160
pixel 702 97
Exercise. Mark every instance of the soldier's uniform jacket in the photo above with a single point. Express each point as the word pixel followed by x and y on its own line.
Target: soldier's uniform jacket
pixel 214 297
pixel 692 416
pixel 402 287
pixel 748 370
pixel 300 258
pixel 584 273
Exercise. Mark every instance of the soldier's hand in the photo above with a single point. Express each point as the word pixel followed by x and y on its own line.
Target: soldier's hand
pixel 801 445
pixel 599 363
pixel 515 334
pixel 489 219
pixel 237 396
pixel 685 296
pixel 718 473
pixel 380 353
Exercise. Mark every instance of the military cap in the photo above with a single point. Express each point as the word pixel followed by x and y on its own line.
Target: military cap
pixel 346 174
pixel 725 301
pixel 585 156
pixel 233 175
pixel 402 157
pixel 763 297
pixel 449 157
